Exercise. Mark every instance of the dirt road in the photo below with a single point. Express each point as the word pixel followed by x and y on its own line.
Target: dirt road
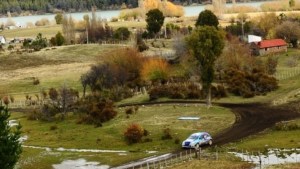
pixel 250 119
pixel 253 118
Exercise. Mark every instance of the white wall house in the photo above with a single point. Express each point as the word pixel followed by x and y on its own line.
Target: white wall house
pixel 2 40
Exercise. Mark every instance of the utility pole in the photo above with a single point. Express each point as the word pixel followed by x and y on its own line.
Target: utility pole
pixel 87 35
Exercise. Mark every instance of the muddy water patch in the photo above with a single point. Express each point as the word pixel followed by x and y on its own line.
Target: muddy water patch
pixel 75 150
pixel 79 164
pixel 270 157
pixel 12 123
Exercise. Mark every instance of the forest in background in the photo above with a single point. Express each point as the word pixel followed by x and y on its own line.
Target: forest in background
pixel 53 6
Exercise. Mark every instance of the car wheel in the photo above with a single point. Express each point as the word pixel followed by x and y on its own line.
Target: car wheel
pixel 210 142
pixel 197 146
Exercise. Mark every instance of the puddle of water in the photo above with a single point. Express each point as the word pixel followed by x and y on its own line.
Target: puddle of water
pixel 13 123
pixel 23 138
pixel 122 154
pixel 79 164
pixel 76 150
pixel 188 118
pixel 271 157
pixel 90 150
pixel 151 152
pixel 37 147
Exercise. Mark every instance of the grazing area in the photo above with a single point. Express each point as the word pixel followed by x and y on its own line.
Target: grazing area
pixel 155 119
pixel 128 92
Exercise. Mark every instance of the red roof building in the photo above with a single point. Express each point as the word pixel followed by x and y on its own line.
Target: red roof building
pixel 268 46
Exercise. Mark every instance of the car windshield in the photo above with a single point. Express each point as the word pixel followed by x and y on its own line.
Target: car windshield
pixel 194 137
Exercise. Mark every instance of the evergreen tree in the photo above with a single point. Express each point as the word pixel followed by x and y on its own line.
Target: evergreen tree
pixel 155 20
pixel 207 18
pixel 10 146
pixel 206 44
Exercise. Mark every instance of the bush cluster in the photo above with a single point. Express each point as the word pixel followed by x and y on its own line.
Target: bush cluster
pixel 96 112
pixel 166 134
pixel 184 91
pixel 250 84
pixel 284 126
pixel 134 133
pixel 175 91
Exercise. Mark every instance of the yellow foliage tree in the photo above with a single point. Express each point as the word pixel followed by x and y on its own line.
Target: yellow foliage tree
pixel 168 8
pixel 155 70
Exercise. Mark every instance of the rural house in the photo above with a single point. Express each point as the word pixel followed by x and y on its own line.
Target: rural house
pixel 2 40
pixel 265 47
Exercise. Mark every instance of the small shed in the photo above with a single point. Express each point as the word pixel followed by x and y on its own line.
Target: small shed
pixel 270 46
pixel 2 40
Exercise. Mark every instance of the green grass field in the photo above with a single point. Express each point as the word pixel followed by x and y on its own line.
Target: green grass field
pixel 47 31
pixel 155 119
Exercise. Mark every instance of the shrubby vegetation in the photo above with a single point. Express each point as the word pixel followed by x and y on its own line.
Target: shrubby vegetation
pixel 134 133
pixel 39 43
pixel 116 75
pixel 95 110
pixel 155 70
pixel 10 145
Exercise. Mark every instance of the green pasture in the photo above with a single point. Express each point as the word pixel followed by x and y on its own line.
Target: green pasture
pixel 154 119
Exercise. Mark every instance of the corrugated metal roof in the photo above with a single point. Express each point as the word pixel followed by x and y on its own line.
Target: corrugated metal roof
pixel 271 43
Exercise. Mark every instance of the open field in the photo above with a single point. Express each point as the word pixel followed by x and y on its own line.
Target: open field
pixel 54 67
pixel 47 31
pixel 69 134
pixel 65 65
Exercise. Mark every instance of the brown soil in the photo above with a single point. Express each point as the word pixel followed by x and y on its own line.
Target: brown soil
pixel 253 118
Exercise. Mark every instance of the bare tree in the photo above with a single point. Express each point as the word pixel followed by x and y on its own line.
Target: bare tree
pixel 68 27
pixel 290 31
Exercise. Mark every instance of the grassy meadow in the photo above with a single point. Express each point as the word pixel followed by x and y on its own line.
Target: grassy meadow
pixel 53 67
pixel 155 119
pixel 57 66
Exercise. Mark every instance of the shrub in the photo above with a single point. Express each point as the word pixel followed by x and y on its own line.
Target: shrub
pixel 53 127
pixel 166 134
pixel 129 110
pixel 134 133
pixel 155 70
pixel 140 44
pixel 177 141
pixel 35 81
pixel 121 33
pixel 10 47
pixel 42 22
pixel 96 112
pixel 286 126
pixel 34 115
pixel 6 100
pixel 249 84
pixel 176 91
pixel 146 132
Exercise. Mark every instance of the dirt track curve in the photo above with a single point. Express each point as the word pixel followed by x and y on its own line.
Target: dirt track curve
pixel 251 118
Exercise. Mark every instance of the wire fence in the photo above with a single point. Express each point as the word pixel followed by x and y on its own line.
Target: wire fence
pixel 285 74
pixel 259 159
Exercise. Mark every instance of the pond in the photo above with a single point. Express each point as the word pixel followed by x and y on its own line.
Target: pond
pixel 270 157
pixel 189 11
